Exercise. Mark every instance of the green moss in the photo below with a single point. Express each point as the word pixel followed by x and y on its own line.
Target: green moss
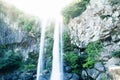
pixel 116 54
pixel 29 67
pixel 114 2
pixel 74 9
pixel 93 50
pixel 105 78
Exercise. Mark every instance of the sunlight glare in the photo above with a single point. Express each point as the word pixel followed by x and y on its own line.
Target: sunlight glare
pixel 40 8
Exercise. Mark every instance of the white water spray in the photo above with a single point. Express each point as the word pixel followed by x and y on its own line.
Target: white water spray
pixel 40 60
pixel 57 53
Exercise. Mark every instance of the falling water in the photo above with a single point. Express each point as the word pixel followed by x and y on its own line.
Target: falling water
pixel 61 47
pixel 57 53
pixel 40 60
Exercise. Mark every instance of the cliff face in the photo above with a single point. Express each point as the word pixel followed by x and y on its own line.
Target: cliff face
pixel 19 43
pixel 18 31
pixel 100 21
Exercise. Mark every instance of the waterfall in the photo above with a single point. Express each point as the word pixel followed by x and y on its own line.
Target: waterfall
pixel 57 52
pixel 40 59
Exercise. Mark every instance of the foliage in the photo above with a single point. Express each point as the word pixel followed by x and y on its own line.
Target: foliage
pixel 24 21
pixel 115 2
pixel 70 56
pixel 74 9
pixel 105 16
pixel 93 50
pixel 116 54
pixel 29 67
pixel 9 60
pixel 72 59
pixel 30 63
pixel 67 41
pixel 75 61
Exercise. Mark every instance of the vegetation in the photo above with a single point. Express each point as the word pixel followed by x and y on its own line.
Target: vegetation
pixel 105 16
pixel 93 50
pixel 70 56
pixel 30 63
pixel 116 54
pixel 24 21
pixel 115 2
pixel 72 59
pixel 27 23
pixel 74 9
pixel 67 41
pixel 75 61
pixel 9 60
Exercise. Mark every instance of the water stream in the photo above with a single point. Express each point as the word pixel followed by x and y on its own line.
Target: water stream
pixel 41 53
pixel 57 52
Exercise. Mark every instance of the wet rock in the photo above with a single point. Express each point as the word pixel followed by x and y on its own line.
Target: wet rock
pixel 93 73
pixel 99 66
pixel 48 63
pixel 112 62
pixel 84 75
pixel 102 76
pixel 68 69
pixel 42 78
pixel 67 76
pixel 27 75
pixel 75 77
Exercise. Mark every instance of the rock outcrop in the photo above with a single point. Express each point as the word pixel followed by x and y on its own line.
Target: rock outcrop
pixel 100 21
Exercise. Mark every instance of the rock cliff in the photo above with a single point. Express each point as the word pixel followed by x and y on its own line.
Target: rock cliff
pixel 100 21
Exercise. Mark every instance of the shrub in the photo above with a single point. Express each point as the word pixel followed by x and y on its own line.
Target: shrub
pixel 9 60
pixel 93 50
pixel 116 54
pixel 29 67
pixel 27 23
pixel 72 60
pixel 67 41
pixel 74 9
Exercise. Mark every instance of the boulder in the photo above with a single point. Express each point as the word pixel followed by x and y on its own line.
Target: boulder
pixel 97 22
pixel 112 62
pixel 84 75
pixel 68 69
pixel 115 72
pixel 93 73
pixel 102 76
pixel 99 66
pixel 75 77
pixel 67 76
